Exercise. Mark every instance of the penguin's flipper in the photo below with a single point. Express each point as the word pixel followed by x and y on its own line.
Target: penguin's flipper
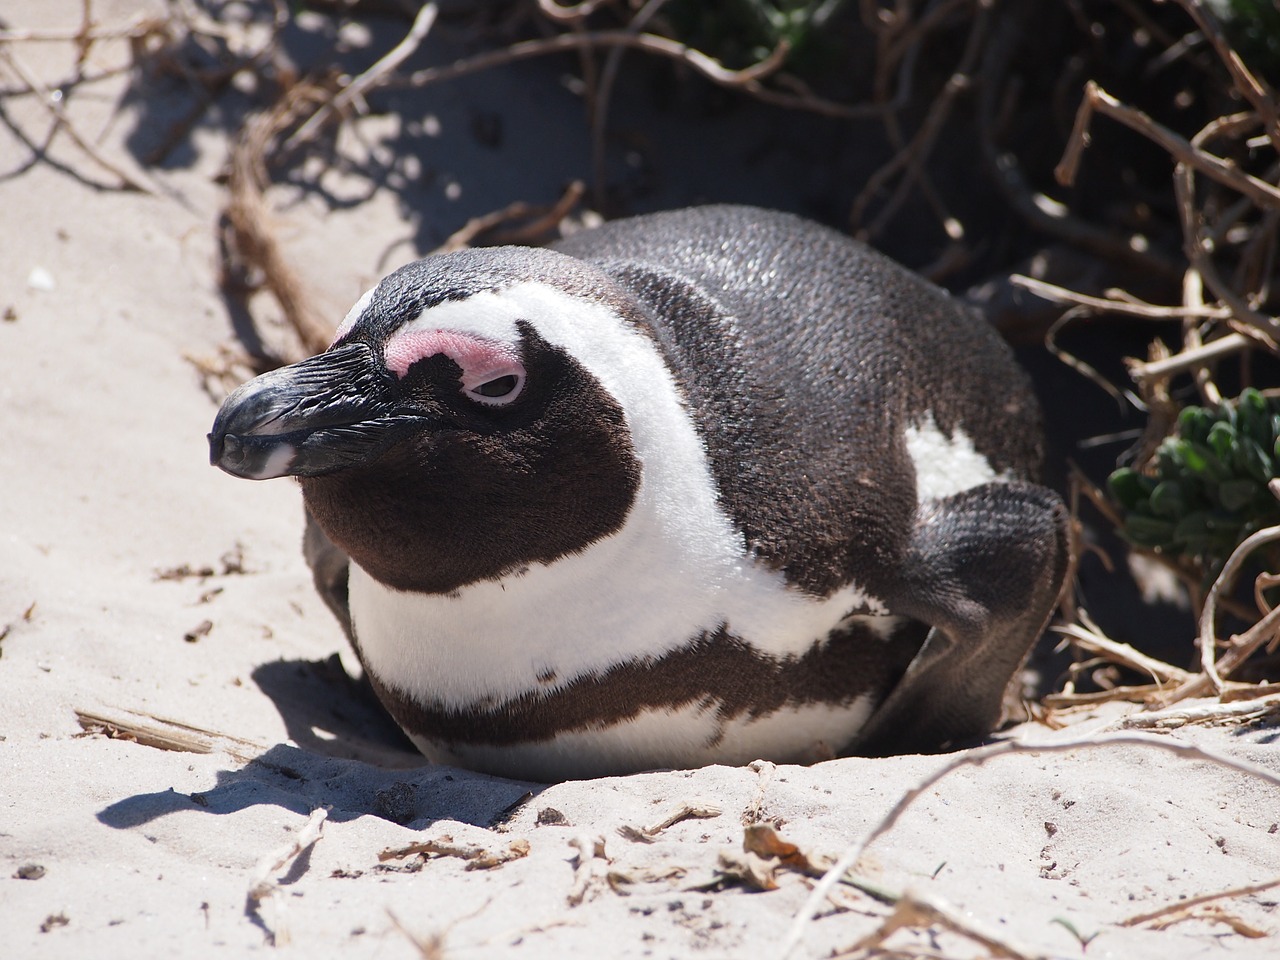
pixel 985 571
pixel 329 567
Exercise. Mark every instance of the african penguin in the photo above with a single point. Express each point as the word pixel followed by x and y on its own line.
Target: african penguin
pixel 703 486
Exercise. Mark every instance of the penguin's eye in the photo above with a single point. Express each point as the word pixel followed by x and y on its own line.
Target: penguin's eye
pixel 495 388
pixel 500 387
pixel 490 371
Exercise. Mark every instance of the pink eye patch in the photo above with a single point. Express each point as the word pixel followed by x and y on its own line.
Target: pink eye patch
pixel 481 360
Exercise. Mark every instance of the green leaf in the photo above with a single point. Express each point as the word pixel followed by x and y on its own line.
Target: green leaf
pixel 1168 499
pixel 1252 460
pixel 1219 520
pixel 1194 423
pixel 1222 439
pixel 1235 495
pixel 1251 398
pixel 1188 456
pixel 1197 460
pixel 1252 415
pixel 1215 469
pixel 1129 487
pixel 1149 531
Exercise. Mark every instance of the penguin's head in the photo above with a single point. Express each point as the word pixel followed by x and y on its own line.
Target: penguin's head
pixel 452 432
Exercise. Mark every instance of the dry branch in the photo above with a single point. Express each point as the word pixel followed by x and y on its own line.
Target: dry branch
pixel 686 811
pixel 134 28
pixel 747 79
pixel 1260 97
pixel 1239 711
pixel 478 858
pixel 1197 901
pixel 262 887
pixel 912 156
pixel 1116 303
pixel 253 239
pixel 163 733
pixel 1191 359
pixel 1223 171
pixel 1213 670
pixel 600 101
pixel 570 14
pixel 1249 321
pixel 353 92
pixel 584 869
pixel 1122 653
pixel 541 220
pixel 916 910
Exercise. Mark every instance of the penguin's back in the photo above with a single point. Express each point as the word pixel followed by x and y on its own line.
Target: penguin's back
pixel 834 389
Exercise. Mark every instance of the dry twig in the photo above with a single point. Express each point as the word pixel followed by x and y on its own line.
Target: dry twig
pixel 353 93
pixel 912 156
pixel 1242 646
pixel 1234 892
pixel 262 886
pixel 1239 711
pixel 1223 171
pixel 1249 321
pixel 1116 302
pixel 133 28
pixel 1121 653
pixel 685 811
pixel 747 79
pixel 478 858
pixel 253 239
pixel 1254 90
pixel 921 910
pixel 542 220
pixel 588 851
pixel 164 733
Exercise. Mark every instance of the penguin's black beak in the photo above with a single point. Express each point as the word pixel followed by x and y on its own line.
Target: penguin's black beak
pixel 328 412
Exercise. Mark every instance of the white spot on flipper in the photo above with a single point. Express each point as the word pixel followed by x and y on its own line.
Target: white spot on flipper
pixel 945 465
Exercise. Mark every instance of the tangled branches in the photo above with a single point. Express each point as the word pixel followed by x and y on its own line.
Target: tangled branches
pixel 1225 187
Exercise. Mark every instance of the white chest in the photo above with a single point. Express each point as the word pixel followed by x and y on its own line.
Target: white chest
pixel 635 597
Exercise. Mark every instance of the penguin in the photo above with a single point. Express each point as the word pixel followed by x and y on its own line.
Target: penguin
pixel 703 486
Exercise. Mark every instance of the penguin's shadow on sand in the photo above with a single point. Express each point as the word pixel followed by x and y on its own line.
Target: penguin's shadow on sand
pixel 350 757
pixel 328 712
pixel 298 780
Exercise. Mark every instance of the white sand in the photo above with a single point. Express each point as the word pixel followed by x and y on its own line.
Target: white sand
pixel 150 853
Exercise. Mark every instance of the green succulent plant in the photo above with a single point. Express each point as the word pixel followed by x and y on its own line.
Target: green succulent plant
pixel 1208 490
